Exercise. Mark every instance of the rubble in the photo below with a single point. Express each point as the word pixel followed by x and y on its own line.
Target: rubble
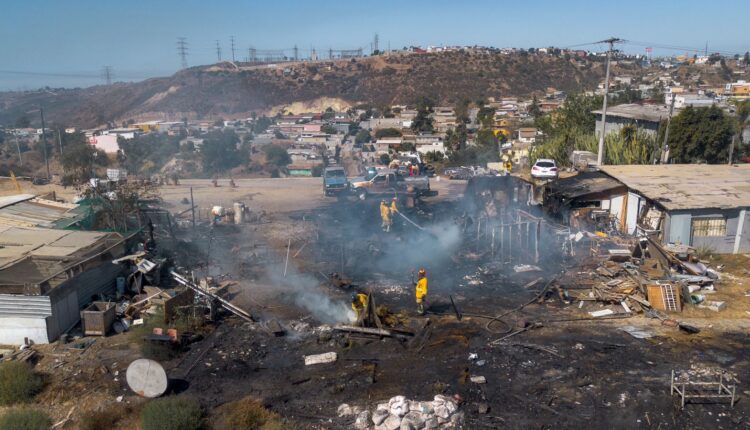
pixel 400 413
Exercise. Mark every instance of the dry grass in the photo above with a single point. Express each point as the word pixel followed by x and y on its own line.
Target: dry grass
pixel 249 414
pixel 18 383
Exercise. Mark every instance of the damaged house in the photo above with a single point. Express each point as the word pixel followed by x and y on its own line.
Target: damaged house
pixel 47 275
pixel 699 205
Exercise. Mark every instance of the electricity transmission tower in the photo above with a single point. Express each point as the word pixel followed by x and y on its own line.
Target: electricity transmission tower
pixel 182 51
pixel 231 39
pixel 107 74
pixel 611 41
pixel 218 52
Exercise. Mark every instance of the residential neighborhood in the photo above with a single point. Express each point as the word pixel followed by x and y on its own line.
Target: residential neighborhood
pixel 374 217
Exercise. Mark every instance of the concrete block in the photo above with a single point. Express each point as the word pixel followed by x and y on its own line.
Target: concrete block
pixel 328 357
pixel 362 422
pixel 398 406
pixel 412 421
pixel 379 416
pixel 713 305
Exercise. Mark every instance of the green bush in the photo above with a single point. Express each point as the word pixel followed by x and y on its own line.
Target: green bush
pixel 171 413
pixel 18 382
pixel 24 419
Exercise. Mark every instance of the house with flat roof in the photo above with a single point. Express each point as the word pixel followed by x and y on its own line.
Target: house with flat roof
pixel 645 117
pixel 700 205
pixel 48 275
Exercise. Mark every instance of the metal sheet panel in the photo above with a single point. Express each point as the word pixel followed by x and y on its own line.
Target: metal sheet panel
pixel 19 306
pixel 679 228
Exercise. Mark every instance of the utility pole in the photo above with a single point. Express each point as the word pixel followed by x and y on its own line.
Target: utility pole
pixel 330 53
pixel 731 148
pixel 182 51
pixel 665 145
pixel 600 156
pixel 296 53
pixel 218 52
pixel 59 141
pixel 375 43
pixel 44 142
pixel 18 147
pixel 107 74
pixel 231 39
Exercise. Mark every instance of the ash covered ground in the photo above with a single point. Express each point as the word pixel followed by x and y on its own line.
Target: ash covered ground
pixel 562 369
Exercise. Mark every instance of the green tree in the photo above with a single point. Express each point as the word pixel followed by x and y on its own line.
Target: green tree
pixel 486 117
pixel 388 132
pixel 363 136
pixel 277 156
pixel 219 151
pixel 422 123
pixel 261 124
pixel 534 110
pixel 746 58
pixel 700 135
pixel 146 154
pixel 79 160
pixel 329 129
pixel 577 113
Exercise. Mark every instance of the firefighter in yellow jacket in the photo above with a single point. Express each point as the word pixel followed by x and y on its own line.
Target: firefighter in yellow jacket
pixel 421 290
pixel 385 215
pixel 359 304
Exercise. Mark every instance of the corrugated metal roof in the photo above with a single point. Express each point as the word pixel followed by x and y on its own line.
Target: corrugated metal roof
pixel 688 186
pixel 18 306
pixel 24 210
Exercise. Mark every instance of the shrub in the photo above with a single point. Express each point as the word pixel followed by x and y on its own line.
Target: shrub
pixel 171 413
pixel 249 414
pixel 25 419
pixel 18 382
pixel 104 419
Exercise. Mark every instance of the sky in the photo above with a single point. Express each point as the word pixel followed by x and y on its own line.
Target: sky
pixel 67 43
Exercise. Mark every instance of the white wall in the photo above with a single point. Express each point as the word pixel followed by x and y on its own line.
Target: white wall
pixel 15 329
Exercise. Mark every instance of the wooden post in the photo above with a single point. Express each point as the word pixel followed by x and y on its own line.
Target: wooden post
pixel 286 263
pixel 492 245
pixel 536 241
pixel 192 205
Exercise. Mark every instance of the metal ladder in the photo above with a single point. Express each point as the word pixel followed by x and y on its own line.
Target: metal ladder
pixel 670 299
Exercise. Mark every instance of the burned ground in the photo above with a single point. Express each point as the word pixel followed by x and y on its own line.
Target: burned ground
pixel 564 374
pixel 570 370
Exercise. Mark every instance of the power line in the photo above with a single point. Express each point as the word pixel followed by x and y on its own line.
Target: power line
pixel 107 74
pixel 218 52
pixel 182 51
pixel 611 41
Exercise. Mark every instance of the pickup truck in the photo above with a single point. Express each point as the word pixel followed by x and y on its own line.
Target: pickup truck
pixel 389 182
pixel 334 181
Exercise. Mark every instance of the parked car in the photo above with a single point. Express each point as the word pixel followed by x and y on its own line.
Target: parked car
pixel 389 182
pixel 334 181
pixel 544 168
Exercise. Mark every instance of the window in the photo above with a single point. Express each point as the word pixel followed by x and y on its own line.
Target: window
pixel 709 227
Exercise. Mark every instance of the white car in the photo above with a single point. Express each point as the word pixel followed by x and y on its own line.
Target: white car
pixel 544 168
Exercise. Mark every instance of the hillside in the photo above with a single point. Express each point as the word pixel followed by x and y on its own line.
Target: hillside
pixel 225 90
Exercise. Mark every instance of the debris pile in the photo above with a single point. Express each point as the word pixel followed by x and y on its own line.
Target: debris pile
pixel 649 279
pixel 400 413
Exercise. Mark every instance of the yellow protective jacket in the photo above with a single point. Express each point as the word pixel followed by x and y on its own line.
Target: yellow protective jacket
pixel 360 304
pixel 394 209
pixel 385 212
pixel 421 290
